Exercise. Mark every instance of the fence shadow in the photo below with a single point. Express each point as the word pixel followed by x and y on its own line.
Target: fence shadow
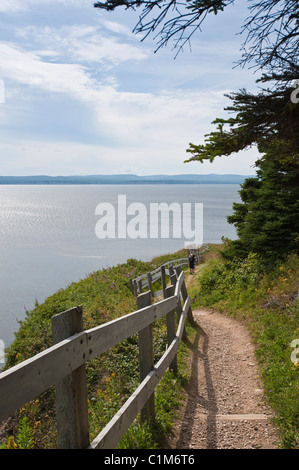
pixel 195 398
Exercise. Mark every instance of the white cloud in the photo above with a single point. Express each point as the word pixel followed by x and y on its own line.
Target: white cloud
pixel 128 107
pixel 84 43
pixel 65 158
pixel 12 6
pixel 26 68
pixel 148 130
pixel 118 28
pixel 167 120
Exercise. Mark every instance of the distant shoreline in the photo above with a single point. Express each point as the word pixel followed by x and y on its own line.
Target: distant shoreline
pixel 125 179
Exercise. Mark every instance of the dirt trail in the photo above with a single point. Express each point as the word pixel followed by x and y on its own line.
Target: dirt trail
pixel 225 406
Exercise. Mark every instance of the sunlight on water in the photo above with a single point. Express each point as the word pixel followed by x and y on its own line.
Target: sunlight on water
pixel 48 239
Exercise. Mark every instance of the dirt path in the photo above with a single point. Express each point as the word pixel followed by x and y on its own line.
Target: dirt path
pixel 225 406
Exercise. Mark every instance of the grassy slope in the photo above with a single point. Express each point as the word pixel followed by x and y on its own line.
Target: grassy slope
pixel 104 295
pixel 268 304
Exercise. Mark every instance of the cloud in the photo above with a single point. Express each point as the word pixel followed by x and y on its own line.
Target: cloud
pixel 118 28
pixel 12 6
pixel 143 127
pixel 84 43
pixel 28 69
pixel 27 157
pixel 166 120
pixel 87 97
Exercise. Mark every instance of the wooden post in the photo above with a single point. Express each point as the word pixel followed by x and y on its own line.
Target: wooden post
pixel 171 270
pixel 150 286
pixel 184 296
pixel 146 356
pixel 140 286
pixel 163 279
pixel 170 323
pixel 179 309
pixel 135 288
pixel 71 392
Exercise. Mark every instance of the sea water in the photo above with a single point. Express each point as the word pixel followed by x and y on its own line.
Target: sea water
pixel 48 237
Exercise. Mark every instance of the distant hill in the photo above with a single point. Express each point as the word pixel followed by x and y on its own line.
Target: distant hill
pixel 125 179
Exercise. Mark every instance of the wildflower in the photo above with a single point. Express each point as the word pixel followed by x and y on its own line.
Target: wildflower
pixel 11 443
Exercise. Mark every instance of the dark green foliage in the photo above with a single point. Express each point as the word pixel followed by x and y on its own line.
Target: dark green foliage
pixel 267 221
pixel 261 119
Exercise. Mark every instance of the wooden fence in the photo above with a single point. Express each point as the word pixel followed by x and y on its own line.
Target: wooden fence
pixel 63 365
pixel 146 281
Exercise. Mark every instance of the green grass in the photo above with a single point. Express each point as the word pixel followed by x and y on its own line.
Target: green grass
pixel 268 304
pixel 111 378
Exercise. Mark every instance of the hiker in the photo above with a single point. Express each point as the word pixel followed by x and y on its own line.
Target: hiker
pixel 191 263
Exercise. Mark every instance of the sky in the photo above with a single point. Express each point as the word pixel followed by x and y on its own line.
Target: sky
pixel 81 94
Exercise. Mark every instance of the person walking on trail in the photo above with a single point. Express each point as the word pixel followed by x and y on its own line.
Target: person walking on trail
pixel 191 263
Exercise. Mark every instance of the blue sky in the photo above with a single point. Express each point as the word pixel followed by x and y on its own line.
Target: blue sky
pixel 83 95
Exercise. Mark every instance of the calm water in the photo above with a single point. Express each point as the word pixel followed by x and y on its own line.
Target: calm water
pixel 48 239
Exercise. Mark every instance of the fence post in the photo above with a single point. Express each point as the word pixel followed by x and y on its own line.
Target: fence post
pixel 146 356
pixel 149 281
pixel 171 270
pixel 173 280
pixel 170 323
pixel 163 280
pixel 71 391
pixel 185 295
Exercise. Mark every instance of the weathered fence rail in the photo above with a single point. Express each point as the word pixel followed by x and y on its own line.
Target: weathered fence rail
pixel 146 281
pixel 63 365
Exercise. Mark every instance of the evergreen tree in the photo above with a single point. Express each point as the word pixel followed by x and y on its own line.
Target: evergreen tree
pixel 267 221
